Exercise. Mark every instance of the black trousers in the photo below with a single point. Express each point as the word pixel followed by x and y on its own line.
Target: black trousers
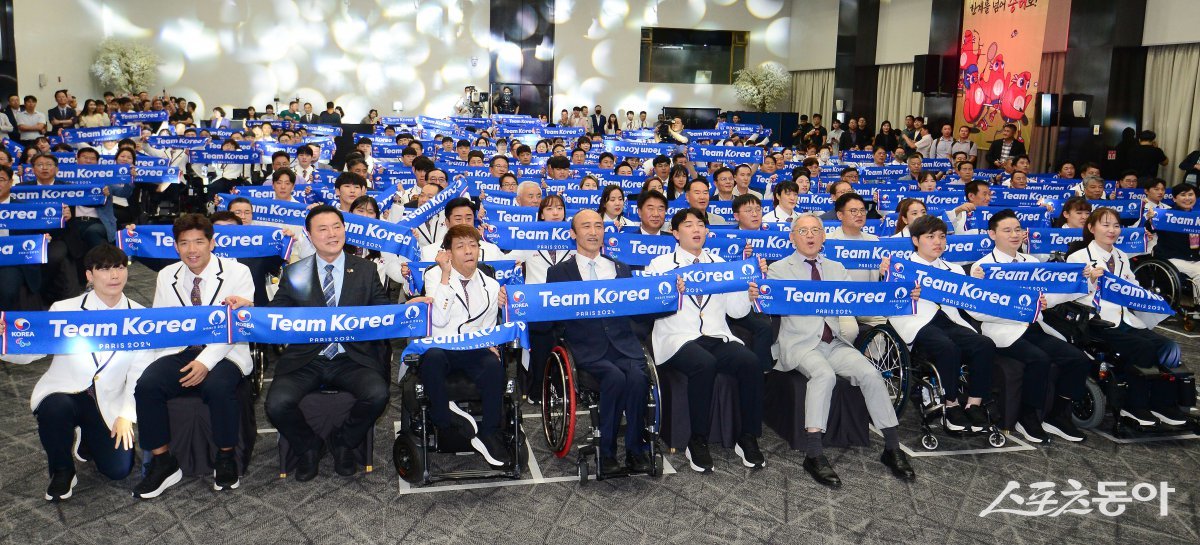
pixel 540 345
pixel 89 233
pixel 159 383
pixel 368 386
pixel 762 336
pixel 60 280
pixel 59 414
pixel 1145 349
pixel 623 386
pixel 950 346
pixel 481 366
pixel 701 360
pixel 1037 350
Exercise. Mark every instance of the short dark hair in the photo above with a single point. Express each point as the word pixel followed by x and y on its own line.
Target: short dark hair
pixel 687 186
pixel 845 199
pixel 304 150
pixel 558 161
pixel 682 215
pixel 318 210
pixel 744 199
pixel 85 151
pixel 275 176
pixel 188 222
pixel 40 156
pixel 492 161
pixel 786 185
pixel 224 215
pixel 974 186
pixel 459 231
pixel 1153 182
pixel 1183 188
pixel 238 200
pixel 847 170
pixel 661 160
pixel 651 195
pixel 348 178
pixel 104 256
pixel 459 202
pixel 926 224
pixel 283 154
pixel 994 221
pixel 717 173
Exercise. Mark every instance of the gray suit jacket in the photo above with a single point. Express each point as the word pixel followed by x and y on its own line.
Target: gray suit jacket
pixel 798 335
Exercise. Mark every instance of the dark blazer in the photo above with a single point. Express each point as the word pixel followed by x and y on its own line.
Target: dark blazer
pixel 993 153
pixel 1173 245
pixel 53 114
pixel 585 336
pixel 598 122
pixel 300 286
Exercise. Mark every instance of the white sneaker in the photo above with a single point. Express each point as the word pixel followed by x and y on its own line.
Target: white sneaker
pixel 1141 421
pixel 1168 420
pixel 78 443
pixel 454 408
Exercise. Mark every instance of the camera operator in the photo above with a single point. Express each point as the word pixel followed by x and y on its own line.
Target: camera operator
pixel 507 103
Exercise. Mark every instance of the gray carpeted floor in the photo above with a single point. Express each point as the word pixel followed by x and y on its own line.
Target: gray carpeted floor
pixel 779 504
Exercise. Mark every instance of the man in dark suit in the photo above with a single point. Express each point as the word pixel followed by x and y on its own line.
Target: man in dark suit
pixel 308 116
pixel 598 121
pixel 614 358
pixel 329 278
pixel 15 277
pixel 62 116
pixel 1006 148
pixel 59 277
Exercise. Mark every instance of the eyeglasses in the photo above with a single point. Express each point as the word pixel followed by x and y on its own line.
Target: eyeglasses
pixel 856 211
pixel 751 209
pixel 805 231
pixel 1016 231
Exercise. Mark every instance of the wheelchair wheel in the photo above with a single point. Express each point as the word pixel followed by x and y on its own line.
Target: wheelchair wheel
pixel 654 409
pixel 1159 277
pixel 558 402
pixel 884 348
pixel 408 458
pixel 1089 411
pixel 929 442
pixel 258 375
pixel 582 468
pixel 996 439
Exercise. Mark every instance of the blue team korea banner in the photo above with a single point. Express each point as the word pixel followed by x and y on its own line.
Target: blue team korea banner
pixel 270 210
pixel 206 156
pixel 434 206
pixel 1043 277
pixel 537 235
pixel 321 130
pixel 591 299
pixel 1177 221
pixel 508 273
pixel 156 175
pixel 1029 216
pixel 1119 291
pixel 866 254
pixel 622 148
pixel 72 195
pixel 101 134
pixel 148 116
pixel 771 245
pixel 1128 209
pixel 560 132
pixel 725 154
pixel 501 213
pixel 84 331
pixel 1048 240
pixel 716 278
pixel 831 298
pixel 23 250
pixel 30 216
pixel 637 250
pixel 232 241
pixel 999 299
pixel 706 134
pixel 95 174
pixel 380 235
pixel 485 338
pixel 309 325
pixel 743 129
pixel 177 142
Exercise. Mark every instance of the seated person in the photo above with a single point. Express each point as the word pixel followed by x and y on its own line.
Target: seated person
pixel 461 211
pixel 836 190
pixel 747 211
pixel 89 394
pixel 815 346
pixel 199 279
pixel 1132 331
pixel 785 193
pixel 944 336
pixel 906 212
pixel 697 193
pixel 851 210
pixel 330 278
pixel 464 300
pixel 1181 249
pixel 978 194
pixel 615 358
pixel 1036 346
pixel 652 213
pixel 700 348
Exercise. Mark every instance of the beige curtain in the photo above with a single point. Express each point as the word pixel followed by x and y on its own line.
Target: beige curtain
pixel 1043 148
pixel 1171 107
pixel 895 98
pixel 812 92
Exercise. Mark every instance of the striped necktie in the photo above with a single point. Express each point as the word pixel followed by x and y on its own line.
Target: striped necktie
pixel 330 292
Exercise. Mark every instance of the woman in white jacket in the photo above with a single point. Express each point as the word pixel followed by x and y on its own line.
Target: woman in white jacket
pixel 1036 346
pixel 89 392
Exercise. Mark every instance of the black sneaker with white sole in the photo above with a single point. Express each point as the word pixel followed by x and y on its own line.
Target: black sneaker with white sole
pixel 493 449
pixel 698 456
pixel 225 475
pixel 954 419
pixel 978 418
pixel 1168 417
pixel 1030 427
pixel 1139 417
pixel 62 483
pixel 1061 425
pixel 163 473
pixel 747 449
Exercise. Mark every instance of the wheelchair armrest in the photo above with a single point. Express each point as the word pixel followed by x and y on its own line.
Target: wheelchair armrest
pixel 1098 323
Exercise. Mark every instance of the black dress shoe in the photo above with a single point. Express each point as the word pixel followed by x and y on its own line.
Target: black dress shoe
pixel 310 462
pixel 822 472
pixel 638 462
pixel 897 460
pixel 343 457
pixel 610 466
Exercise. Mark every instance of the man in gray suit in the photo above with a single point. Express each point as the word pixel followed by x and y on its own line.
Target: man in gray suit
pixel 816 347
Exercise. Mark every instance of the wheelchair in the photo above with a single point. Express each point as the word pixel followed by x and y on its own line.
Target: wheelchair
pixel 417 438
pixel 911 377
pixel 564 388
pixel 1163 278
